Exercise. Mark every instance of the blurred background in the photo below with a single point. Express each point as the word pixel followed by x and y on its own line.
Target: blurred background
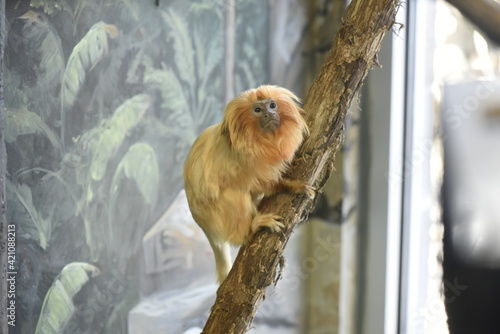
pixel 102 100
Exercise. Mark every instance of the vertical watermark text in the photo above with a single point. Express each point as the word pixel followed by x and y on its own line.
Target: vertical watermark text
pixel 11 274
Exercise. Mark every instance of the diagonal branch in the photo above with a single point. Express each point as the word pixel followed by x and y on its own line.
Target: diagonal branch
pixel 352 55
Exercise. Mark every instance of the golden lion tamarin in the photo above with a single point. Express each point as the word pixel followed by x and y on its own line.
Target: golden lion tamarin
pixel 234 163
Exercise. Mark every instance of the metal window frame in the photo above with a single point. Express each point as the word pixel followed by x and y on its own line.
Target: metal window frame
pixel 394 184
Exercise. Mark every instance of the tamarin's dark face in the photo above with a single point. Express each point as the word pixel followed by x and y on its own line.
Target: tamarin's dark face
pixel 268 113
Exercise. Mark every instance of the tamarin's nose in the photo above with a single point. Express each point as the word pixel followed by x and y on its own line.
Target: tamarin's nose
pixel 271 114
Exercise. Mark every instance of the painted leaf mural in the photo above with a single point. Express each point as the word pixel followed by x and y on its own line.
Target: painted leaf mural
pixel 42 226
pixel 84 57
pixel 114 130
pixel 102 102
pixel 141 165
pixel 58 306
pixel 24 122
pixel 42 37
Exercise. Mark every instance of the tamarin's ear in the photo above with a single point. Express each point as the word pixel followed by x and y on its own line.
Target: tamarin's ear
pixel 300 106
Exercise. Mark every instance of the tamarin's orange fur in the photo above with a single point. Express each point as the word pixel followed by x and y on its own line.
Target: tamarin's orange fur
pixel 234 163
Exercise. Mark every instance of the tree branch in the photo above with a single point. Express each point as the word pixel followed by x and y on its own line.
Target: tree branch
pixel 485 14
pixel 352 55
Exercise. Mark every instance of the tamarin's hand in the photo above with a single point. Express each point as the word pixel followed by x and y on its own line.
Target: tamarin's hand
pixel 234 163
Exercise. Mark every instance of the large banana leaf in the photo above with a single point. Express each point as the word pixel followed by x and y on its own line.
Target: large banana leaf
pixel 43 226
pixel 114 131
pixel 43 38
pixel 85 56
pixel 140 164
pixel 24 122
pixel 58 306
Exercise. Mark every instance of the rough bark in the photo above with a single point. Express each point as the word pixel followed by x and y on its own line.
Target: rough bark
pixel 485 14
pixel 352 55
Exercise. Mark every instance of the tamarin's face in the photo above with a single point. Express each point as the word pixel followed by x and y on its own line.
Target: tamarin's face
pixel 267 115
pixel 267 111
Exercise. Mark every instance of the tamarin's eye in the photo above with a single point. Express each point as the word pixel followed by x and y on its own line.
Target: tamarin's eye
pixel 257 109
pixel 272 105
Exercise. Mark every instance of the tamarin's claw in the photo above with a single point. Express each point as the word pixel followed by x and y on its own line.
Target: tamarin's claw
pixel 297 186
pixel 310 191
pixel 267 220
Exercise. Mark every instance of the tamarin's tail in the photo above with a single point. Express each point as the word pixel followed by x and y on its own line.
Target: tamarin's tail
pixel 223 261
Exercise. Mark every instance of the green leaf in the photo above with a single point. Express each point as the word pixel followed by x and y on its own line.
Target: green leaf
pixel 208 60
pixel 58 306
pixel 170 88
pixel 24 196
pixel 184 51
pixel 141 165
pixel 99 146
pixel 204 8
pixel 23 122
pixel 85 56
pixel 42 38
pixel 114 130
